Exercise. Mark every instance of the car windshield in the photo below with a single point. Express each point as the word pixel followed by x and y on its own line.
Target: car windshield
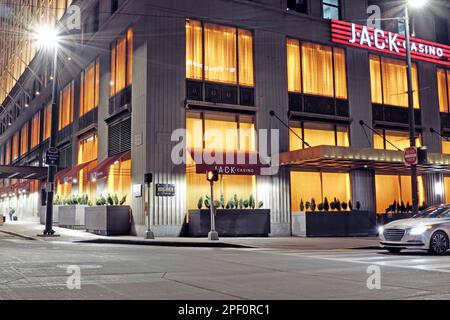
pixel 434 212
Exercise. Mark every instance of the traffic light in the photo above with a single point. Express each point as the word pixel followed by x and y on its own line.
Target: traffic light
pixel 212 175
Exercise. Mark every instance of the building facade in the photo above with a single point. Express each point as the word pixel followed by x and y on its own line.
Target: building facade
pixel 139 70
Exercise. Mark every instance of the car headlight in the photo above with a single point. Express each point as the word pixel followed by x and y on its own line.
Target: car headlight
pixel 380 230
pixel 419 230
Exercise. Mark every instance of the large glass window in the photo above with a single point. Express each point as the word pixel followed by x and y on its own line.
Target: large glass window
pixel 119 180
pixel 306 186
pixel 219 132
pixel 8 153
pixel 443 79
pixel 35 130
pixel 66 106
pixel 445 146
pixel 331 9
pixel 317 134
pixel 316 69
pixel 89 93
pixel 47 122
pixel 24 140
pixel 15 146
pixel 227 51
pixel 389 83
pixel 122 63
pixel 391 140
pixel 390 188
pixel 87 152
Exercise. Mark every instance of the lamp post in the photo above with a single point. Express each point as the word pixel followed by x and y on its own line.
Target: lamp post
pixel 212 176
pixel 47 38
pixel 411 117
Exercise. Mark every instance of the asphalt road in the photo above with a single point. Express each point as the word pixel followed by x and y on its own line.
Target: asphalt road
pixel 39 270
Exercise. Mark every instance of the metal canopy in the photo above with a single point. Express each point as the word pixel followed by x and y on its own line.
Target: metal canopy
pixel 343 158
pixel 23 172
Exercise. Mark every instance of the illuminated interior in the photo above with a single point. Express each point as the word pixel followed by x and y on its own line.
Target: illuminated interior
pixel 35 129
pixel 119 180
pixel 390 188
pixel 47 128
pixel 24 139
pixel 318 186
pixel 66 106
pixel 443 80
pixel 89 93
pixel 399 139
pixel 87 152
pixel 15 146
pixel 445 146
pixel 221 48
pixel 317 134
pixel 121 63
pixel 221 132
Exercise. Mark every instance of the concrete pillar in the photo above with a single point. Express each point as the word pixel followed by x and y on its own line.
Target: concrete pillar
pixel 434 188
pixel 363 191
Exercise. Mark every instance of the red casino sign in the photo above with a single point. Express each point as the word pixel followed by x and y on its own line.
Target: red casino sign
pixel 389 42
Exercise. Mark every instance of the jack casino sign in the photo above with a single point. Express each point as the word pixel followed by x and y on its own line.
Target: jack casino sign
pixel 389 42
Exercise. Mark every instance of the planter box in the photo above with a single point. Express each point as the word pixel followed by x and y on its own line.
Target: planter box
pixel 71 216
pixel 230 223
pixel 330 224
pixel 43 214
pixel 108 220
pixel 383 219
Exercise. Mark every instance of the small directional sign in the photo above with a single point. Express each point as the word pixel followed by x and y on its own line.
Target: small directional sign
pixel 52 157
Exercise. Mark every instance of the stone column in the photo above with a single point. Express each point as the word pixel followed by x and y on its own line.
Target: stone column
pixel 434 188
pixel 363 191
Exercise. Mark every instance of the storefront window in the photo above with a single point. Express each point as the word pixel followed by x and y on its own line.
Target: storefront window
pixel 119 180
pixel 317 134
pixel 24 140
pixel 66 106
pixel 35 127
pixel 445 146
pixel 316 69
pixel 8 153
pixel 122 63
pixel 390 188
pixel 306 186
pixel 87 152
pixel 89 93
pixel 391 140
pixel 47 122
pixel 443 79
pixel 389 83
pixel 447 189
pixel 221 49
pixel 15 146
pixel 221 132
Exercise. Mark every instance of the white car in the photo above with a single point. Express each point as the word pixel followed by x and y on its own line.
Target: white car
pixel 428 230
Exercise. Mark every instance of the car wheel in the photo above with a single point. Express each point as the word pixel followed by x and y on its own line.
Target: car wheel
pixel 394 250
pixel 438 243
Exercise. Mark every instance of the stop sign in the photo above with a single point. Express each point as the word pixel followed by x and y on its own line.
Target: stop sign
pixel 411 156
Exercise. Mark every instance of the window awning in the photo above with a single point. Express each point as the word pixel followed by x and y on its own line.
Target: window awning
pixel 72 174
pixel 23 172
pixel 343 158
pixel 227 161
pixel 101 170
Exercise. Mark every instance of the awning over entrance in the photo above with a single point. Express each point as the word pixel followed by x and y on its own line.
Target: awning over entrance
pixel 343 158
pixel 23 172
pixel 101 170
pixel 71 175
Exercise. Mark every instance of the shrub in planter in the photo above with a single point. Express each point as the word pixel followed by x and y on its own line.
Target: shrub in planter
pixel 230 204
pixel 326 205
pixel 320 207
pixel 246 204
pixel 221 202
pixel 307 205
pixel 123 200
pixel 302 205
pixel 207 202
pixel 333 205
pixel 350 205
pixel 115 199
pixel 344 205
pixel 313 205
pixel 200 203
pixel 217 204
pixel 236 201
pixel 252 202
pixel 358 205
pixel 260 204
pixel 241 203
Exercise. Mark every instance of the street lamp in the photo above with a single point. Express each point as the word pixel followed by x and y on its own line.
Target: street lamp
pixel 412 121
pixel 47 38
pixel 212 176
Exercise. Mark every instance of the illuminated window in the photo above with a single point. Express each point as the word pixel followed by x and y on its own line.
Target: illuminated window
pixel 24 140
pixel 389 83
pixel 221 132
pixel 447 189
pixel 445 146
pixel 318 186
pixel 47 122
pixel 316 69
pixel 87 152
pixel 228 53
pixel 390 188
pixel 119 180
pixel 317 134
pixel 443 79
pixel 391 140
pixel 15 146
pixel 66 106
pixel 8 153
pixel 122 63
pixel 89 93
pixel 35 129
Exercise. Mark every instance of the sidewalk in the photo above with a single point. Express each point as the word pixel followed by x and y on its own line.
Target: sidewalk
pixel 29 231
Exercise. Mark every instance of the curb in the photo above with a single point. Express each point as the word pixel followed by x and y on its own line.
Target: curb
pixel 19 235
pixel 165 243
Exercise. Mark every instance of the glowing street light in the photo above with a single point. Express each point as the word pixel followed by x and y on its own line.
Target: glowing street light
pixel 417 3
pixel 47 37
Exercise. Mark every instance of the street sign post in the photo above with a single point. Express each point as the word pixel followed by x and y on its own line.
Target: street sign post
pixel 52 157
pixel 411 156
